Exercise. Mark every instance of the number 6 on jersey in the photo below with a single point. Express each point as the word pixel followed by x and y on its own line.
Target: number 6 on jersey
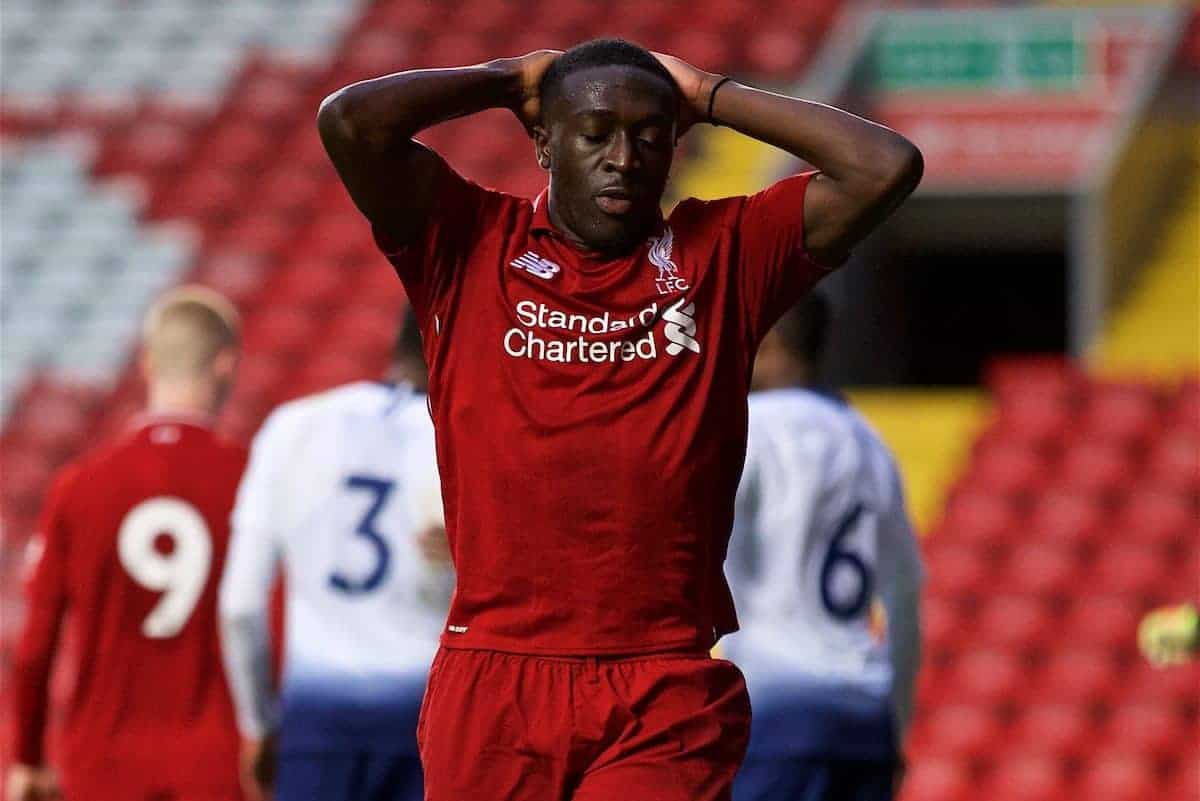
pixel 179 574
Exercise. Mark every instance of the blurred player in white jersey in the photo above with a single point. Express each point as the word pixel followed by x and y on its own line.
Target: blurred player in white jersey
pixel 342 488
pixel 821 533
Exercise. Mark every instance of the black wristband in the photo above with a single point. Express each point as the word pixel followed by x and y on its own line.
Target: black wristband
pixel 712 96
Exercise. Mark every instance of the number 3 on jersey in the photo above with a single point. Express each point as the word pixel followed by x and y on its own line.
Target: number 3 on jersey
pixel 379 490
pixel 178 574
pixel 847 581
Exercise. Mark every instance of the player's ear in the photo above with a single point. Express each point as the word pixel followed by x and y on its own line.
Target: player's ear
pixel 541 144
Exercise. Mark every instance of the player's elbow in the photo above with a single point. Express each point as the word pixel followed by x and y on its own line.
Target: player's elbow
pixel 336 120
pixel 900 167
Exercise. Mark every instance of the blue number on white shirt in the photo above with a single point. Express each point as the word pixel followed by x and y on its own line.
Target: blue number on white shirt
pixel 380 489
pixel 837 561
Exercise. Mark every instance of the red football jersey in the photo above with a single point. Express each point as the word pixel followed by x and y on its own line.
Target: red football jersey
pixel 591 412
pixel 133 539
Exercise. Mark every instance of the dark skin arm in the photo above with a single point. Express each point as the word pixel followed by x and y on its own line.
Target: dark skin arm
pixel 367 129
pixel 867 170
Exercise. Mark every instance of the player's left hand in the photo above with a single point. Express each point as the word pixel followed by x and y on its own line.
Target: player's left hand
pixel 695 87
pixel 31 783
pixel 258 765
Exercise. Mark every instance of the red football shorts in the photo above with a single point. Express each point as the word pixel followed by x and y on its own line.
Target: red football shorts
pixel 507 727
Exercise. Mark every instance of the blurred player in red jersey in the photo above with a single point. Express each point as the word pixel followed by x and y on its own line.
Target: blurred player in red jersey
pixel 589 362
pixel 130 550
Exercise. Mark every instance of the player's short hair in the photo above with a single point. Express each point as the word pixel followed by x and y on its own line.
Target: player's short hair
pixel 186 328
pixel 599 53
pixel 408 346
pixel 804 328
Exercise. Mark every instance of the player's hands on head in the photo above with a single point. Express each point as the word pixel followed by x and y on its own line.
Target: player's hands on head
pixel 30 783
pixel 529 69
pixel 259 760
pixel 695 88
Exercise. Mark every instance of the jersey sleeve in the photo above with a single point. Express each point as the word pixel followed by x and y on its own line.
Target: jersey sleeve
pixel 46 597
pixel 459 216
pixel 901 576
pixel 245 591
pixel 773 268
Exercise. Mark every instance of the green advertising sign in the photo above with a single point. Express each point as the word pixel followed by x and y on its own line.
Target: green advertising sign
pixel 1012 53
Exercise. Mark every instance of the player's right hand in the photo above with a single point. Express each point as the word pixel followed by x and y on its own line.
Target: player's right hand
pixel 258 764
pixel 529 69
pixel 30 783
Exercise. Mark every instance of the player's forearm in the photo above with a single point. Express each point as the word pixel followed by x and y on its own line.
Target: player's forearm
pixel 30 682
pixel 382 112
pixel 246 652
pixel 30 677
pixel 844 147
pixel 904 646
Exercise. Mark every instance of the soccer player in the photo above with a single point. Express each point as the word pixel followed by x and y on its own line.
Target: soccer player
pixel 820 532
pixel 130 547
pixel 589 364
pixel 342 488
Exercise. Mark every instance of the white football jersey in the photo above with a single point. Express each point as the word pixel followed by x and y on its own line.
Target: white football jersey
pixel 820 533
pixel 338 487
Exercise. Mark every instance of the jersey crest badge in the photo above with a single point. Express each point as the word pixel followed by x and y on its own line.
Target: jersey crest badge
pixel 660 256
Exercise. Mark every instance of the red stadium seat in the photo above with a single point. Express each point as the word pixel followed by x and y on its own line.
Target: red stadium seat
pixel 778 52
pixel 1101 468
pixel 1183 779
pixel 1066 517
pixel 978 515
pixel 936 779
pixel 1013 623
pixel 1173 687
pixel 1041 569
pixel 1175 462
pixel 943 622
pixel 1024 378
pixel 1025 777
pixel 1061 731
pixel 1119 776
pixel 1152 730
pixel 281 330
pixel 237 145
pixel 1131 568
pixel 1035 419
pixel 1075 676
pixel 1009 468
pixel 1123 413
pixel 290 191
pixel 312 283
pixel 960 731
pixel 1155 516
pixel 1106 621
pixel 988 675
pixel 957 570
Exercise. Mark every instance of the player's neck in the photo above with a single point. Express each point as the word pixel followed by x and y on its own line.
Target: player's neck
pixel 183 398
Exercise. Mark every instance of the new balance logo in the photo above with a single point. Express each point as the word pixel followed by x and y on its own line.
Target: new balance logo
pixel 668 280
pixel 535 264
pixel 680 328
